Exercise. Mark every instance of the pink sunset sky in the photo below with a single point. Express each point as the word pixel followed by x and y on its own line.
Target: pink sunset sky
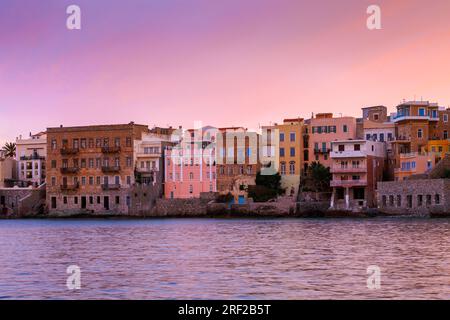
pixel 224 62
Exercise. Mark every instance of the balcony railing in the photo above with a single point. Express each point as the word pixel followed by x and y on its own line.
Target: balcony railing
pixel 110 186
pixel 321 150
pixel 32 157
pixel 348 169
pixel 348 183
pixel 69 151
pixel 72 170
pixel 107 169
pixel 111 149
pixel 67 187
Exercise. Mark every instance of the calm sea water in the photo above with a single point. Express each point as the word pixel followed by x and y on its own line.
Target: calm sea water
pixel 225 259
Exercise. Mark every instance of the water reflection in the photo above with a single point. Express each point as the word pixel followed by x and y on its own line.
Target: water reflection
pixel 225 259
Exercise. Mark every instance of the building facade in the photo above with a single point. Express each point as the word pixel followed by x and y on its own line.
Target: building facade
pixel 90 169
pixel 357 166
pixel 238 161
pixel 322 130
pixel 291 153
pixel 30 155
pixel 190 165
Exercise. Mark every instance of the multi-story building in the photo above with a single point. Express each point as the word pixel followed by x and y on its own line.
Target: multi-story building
pixel 190 165
pixel 414 163
pixel 357 166
pixel 30 156
pixel 149 153
pixel 377 126
pixel 291 153
pixel 238 161
pixel 91 168
pixel 322 130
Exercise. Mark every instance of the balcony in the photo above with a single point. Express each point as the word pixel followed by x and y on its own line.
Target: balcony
pixel 32 157
pixel 348 183
pixel 69 151
pixel 110 149
pixel 73 187
pixel 350 169
pixel 321 150
pixel 110 186
pixel 107 169
pixel 73 170
pixel 347 154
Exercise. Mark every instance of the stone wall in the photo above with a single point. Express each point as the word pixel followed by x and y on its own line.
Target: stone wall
pixel 180 207
pixel 21 202
pixel 415 197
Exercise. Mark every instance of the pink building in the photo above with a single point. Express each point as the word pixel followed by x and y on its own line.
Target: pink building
pixel 324 129
pixel 190 166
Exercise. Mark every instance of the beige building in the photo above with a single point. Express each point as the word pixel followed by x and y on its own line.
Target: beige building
pixel 7 169
pixel 30 156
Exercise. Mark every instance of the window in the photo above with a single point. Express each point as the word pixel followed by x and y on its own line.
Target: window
pixel 98 180
pixel 117 200
pixel 191 188
pixel 283 168
pixel 191 176
pixel 53 181
pixel 368 136
pixel 421 112
pixel 91 181
pixel 419 133
pixel 83 181
pixel 83 143
pixel 117 142
pixel 292 167
pixel 437 199
pixel 292 136
pixel 75 200
pixel 54 146
pixel 384 200
pixel 345 128
pixel 419 200
pixel 376 117
pixel 445 134
pixel 91 143
pixel 53 202
pixel 53 164
pixel 128 162
pixel 98 142
pixel 409 201
pixel 324 147
pixel 281 152
pixel 292 152
pixel 382 137
pixel 91 200
pixel 356 147
pixel 399 200
pixel 65 200
pixel 428 201
pixel 76 143
pixel 341 148
pixel 128 180
pixel 445 117
pixel 391 200
pixel 128 142
pixel 117 180
pixel 281 137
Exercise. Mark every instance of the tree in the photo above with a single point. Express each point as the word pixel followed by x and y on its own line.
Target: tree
pixel 267 187
pixel 318 177
pixel 10 149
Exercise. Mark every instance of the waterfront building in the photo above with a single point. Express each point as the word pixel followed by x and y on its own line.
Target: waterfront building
pixel 414 163
pixel 377 126
pixel 322 130
pixel 238 161
pixel 190 165
pixel 357 166
pixel 422 197
pixel 90 169
pixel 30 155
pixel 7 170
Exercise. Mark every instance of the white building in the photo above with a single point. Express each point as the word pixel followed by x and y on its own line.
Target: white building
pixel 30 156
pixel 357 166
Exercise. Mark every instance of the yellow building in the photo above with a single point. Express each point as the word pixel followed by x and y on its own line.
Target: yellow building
pixel 290 153
pixel 438 147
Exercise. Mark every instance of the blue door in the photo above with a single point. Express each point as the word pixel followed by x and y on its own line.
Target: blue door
pixel 241 200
